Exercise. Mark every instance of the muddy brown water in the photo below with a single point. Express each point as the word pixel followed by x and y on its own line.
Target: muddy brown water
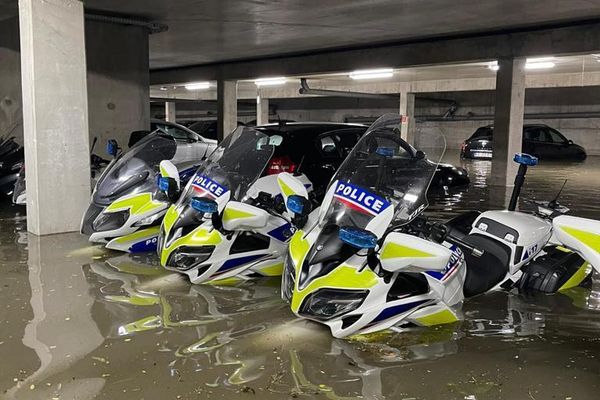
pixel 80 322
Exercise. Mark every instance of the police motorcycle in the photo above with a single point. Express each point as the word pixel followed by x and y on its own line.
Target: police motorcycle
pixel 357 266
pixel 544 251
pixel 229 223
pixel 126 206
pixel 19 192
pixel 369 261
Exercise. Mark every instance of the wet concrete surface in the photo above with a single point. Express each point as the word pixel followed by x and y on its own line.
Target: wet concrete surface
pixel 80 322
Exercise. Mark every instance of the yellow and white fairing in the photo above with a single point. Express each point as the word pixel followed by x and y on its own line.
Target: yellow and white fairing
pixel 580 235
pixel 241 222
pixel 441 268
pixel 247 235
pixel 126 206
pixel 331 278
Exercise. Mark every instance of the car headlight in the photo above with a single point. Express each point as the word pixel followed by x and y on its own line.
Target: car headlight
pixel 110 221
pixel 288 279
pixel 326 304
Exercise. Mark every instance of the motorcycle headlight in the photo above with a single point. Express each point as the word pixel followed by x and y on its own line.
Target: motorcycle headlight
pixel 288 279
pixel 110 221
pixel 148 220
pixel 326 304
pixel 186 258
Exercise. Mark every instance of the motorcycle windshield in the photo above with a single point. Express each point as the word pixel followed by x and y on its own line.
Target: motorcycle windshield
pixel 384 171
pixel 232 168
pixel 136 170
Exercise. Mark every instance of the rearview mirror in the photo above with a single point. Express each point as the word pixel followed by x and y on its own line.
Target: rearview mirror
pixel 275 140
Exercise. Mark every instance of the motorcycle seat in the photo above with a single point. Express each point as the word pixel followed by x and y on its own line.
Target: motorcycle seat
pixel 489 269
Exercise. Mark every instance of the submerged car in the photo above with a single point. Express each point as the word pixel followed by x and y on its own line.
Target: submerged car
pixel 317 149
pixel 11 159
pixel 539 140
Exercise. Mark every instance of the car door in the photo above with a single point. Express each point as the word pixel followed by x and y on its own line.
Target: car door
pixel 558 145
pixel 535 141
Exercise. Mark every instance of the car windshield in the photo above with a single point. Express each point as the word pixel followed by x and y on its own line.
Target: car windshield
pixel 483 132
pixel 382 171
pixel 233 167
pixel 135 170
pixel 176 132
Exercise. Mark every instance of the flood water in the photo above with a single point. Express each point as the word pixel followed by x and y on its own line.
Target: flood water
pixel 80 322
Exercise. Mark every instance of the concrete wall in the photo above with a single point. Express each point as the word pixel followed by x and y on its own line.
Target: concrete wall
pixel 11 121
pixel 117 81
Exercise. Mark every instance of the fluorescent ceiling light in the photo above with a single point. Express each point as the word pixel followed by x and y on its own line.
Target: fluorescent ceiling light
pixel 493 66
pixel 270 81
pixel 164 88
pixel 372 73
pixel 197 85
pixel 539 59
pixel 539 65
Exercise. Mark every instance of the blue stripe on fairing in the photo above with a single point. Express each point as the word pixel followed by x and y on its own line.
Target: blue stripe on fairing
pixel 148 244
pixel 229 264
pixel 280 232
pixel 395 310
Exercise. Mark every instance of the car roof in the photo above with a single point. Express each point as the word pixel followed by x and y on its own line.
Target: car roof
pixel 524 126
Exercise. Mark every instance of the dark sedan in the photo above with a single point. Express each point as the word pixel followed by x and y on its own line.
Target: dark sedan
pixel 318 149
pixel 542 141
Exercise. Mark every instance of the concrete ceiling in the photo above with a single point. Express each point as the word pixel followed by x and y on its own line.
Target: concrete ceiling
pixel 220 30
pixel 213 31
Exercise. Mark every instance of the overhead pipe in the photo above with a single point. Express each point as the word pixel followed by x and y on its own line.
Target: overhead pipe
pixel 153 27
pixel 305 89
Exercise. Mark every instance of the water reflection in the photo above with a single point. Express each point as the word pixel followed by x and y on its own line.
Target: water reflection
pixel 81 322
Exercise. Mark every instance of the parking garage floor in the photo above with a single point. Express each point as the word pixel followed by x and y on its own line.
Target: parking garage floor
pixel 78 322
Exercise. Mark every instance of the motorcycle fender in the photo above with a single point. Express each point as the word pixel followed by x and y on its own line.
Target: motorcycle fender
pixel 237 216
pixel 581 235
pixel 402 252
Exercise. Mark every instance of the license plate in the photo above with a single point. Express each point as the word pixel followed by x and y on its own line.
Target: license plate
pixel 482 154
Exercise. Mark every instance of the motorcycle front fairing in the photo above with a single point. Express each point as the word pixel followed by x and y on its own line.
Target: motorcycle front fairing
pixel 218 229
pixel 127 207
pixel 381 186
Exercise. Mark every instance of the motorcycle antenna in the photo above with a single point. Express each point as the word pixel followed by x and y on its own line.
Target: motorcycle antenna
pixel 297 171
pixel 553 202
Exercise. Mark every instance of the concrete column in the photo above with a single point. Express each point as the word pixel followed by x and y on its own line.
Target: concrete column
pixel 11 119
pixel 407 111
pixel 118 81
pixel 226 107
pixel 55 114
pixel 508 119
pixel 170 111
pixel 262 110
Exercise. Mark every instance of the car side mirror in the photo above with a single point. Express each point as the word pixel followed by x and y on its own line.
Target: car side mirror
pixel 569 142
pixel 419 155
